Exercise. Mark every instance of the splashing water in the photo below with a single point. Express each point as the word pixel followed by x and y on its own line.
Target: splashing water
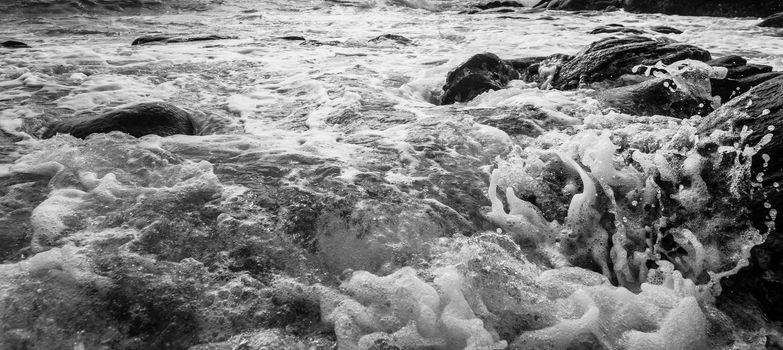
pixel 326 202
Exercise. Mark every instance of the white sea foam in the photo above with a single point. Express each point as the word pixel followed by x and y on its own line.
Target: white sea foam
pixel 367 109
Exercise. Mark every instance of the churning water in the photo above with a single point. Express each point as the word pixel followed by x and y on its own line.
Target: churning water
pixel 327 201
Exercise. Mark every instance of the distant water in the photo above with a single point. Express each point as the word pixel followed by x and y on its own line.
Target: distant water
pixel 349 122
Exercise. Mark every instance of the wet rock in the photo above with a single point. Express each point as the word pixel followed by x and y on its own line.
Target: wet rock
pixel 292 38
pixel 612 57
pixel 527 67
pixel 616 28
pixel 718 8
pixel 497 4
pixel 654 97
pixel 158 118
pixel 665 30
pixel 479 74
pixel 13 44
pixel 747 70
pixel 775 21
pixel 577 5
pixel 728 61
pixel 167 39
pixel 740 78
pixel 392 37
pixel 760 110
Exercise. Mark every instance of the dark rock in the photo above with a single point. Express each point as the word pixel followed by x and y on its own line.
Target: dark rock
pixel 757 79
pixel 612 57
pixel 479 74
pixel 665 30
pixel 501 10
pixel 718 8
pixel 320 43
pixel 775 21
pixel 392 37
pixel 730 88
pixel 157 118
pixel 747 70
pixel 13 44
pixel 616 28
pixel 654 97
pixel 728 61
pixel 760 110
pixel 167 39
pixel 576 5
pixel 527 67
pixel 292 37
pixel 497 4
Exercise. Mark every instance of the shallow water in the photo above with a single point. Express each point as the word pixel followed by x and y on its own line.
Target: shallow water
pixel 316 159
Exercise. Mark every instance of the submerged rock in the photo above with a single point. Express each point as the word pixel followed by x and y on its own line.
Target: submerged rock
pixel 775 20
pixel 13 44
pixel 392 37
pixel 719 8
pixel 479 74
pixel 654 97
pixel 159 118
pixel 167 39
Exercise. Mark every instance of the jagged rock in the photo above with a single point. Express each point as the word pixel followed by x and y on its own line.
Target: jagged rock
pixel 13 44
pixel 775 20
pixel 392 37
pixel 167 39
pixel 719 8
pixel 654 97
pixel 577 5
pixel 479 74
pixel 760 110
pixel 612 57
pixel 665 30
pixel 157 118
pixel 616 28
